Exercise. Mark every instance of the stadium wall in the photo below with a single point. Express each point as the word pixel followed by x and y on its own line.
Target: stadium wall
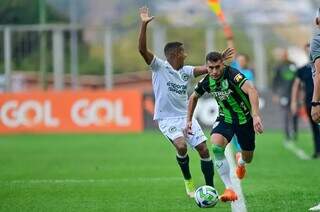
pixel 101 111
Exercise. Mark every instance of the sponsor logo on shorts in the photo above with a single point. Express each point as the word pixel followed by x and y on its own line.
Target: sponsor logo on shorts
pixel 215 124
pixel 172 129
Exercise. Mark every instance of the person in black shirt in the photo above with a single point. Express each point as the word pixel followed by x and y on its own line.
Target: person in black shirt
pixel 304 79
pixel 238 115
pixel 285 72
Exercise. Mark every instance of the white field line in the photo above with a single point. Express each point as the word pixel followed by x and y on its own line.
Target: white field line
pixel 75 181
pixel 239 205
pixel 296 150
pixel 315 208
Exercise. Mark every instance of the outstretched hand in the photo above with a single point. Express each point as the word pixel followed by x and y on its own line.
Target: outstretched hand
pixel 144 15
pixel 228 53
pixel 315 114
pixel 257 124
pixel 188 129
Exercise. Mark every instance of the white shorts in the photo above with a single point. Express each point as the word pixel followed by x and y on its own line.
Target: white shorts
pixel 173 128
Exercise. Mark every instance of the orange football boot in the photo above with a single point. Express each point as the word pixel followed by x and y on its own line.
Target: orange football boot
pixel 240 169
pixel 228 195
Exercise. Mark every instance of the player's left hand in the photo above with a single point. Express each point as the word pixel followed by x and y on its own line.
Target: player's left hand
pixel 144 15
pixel 228 53
pixel 257 124
pixel 188 129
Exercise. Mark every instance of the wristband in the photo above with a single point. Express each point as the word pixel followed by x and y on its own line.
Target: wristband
pixel 314 104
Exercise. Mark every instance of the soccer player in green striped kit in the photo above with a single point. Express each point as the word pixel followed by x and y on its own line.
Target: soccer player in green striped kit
pixel 238 114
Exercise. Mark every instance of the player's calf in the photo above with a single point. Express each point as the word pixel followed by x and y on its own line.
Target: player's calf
pixel 206 163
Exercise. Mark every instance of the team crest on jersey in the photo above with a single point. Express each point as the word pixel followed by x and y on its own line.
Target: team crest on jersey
pixel 238 78
pixel 172 129
pixel 224 85
pixel 185 77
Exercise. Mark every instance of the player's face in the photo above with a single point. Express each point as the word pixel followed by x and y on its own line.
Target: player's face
pixel 242 61
pixel 215 69
pixel 180 56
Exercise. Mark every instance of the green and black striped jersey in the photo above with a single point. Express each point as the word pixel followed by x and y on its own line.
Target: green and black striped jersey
pixel 234 105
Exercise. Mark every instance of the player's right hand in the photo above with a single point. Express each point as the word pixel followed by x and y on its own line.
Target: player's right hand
pixel 257 124
pixel 228 53
pixel 315 114
pixel 144 15
pixel 188 129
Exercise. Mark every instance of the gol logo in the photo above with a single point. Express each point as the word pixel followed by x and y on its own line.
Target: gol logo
pixel 28 113
pixel 99 112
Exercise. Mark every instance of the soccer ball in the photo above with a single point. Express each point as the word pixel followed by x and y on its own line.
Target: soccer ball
pixel 206 196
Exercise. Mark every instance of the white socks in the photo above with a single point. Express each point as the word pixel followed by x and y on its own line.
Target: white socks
pixel 241 162
pixel 224 171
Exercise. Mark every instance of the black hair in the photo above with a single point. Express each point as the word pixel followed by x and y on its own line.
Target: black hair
pixel 171 46
pixel 214 57
pixel 246 56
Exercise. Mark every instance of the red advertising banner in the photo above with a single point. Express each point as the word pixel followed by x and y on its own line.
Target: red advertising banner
pixel 71 111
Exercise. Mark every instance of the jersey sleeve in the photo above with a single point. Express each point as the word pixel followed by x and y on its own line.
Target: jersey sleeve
pixel 156 63
pixel 189 71
pixel 200 88
pixel 315 49
pixel 237 77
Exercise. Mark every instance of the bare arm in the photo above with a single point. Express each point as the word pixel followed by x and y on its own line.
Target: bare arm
pixel 229 36
pixel 143 49
pixel 193 100
pixel 315 110
pixel 316 82
pixel 249 89
pixel 294 95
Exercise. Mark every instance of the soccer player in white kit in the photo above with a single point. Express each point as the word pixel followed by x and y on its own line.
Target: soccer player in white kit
pixel 170 79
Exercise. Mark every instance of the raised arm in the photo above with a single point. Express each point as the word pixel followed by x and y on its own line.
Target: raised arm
pixel 143 49
pixel 249 89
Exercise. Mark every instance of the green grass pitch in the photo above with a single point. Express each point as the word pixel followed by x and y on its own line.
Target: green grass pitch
pixel 138 172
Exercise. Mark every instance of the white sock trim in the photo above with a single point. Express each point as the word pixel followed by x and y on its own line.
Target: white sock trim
pixel 182 156
pixel 241 162
pixel 206 159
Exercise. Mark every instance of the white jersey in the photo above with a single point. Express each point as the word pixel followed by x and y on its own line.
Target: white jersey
pixel 170 89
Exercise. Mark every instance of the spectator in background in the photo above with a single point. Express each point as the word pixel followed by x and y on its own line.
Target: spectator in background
pixel 304 80
pixel 242 64
pixel 285 72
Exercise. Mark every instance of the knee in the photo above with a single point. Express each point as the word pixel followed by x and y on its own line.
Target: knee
pixel 181 149
pixel 218 152
pixel 203 151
